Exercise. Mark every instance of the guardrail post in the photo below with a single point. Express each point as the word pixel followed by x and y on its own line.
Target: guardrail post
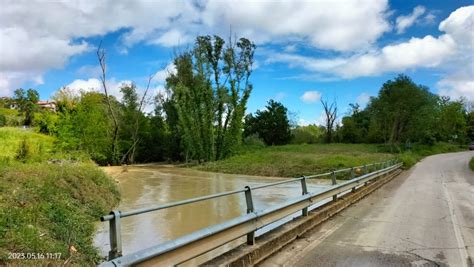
pixel 352 177
pixel 365 169
pixel 304 191
pixel 333 177
pixel 250 209
pixel 115 237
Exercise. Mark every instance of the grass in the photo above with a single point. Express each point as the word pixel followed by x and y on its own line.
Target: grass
pixel 46 207
pixel 471 163
pixel 298 160
pixel 40 146
pixel 418 152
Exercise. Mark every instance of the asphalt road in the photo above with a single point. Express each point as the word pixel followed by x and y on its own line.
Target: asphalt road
pixel 424 217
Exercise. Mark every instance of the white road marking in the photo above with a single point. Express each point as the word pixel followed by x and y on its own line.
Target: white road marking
pixel 457 232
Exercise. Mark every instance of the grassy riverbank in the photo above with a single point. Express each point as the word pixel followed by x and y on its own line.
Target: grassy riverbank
pixel 48 207
pixel 297 160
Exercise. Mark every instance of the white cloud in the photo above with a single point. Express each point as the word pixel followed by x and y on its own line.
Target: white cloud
pixel 459 25
pixel 311 96
pixel 425 52
pixel 113 87
pixel 363 99
pixel 93 84
pixel 334 25
pixel 40 35
pixel 453 48
pixel 458 85
pixel 404 22
pixel 161 75
pixel 172 38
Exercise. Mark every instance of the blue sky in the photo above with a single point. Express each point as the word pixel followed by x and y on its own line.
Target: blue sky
pixel 341 50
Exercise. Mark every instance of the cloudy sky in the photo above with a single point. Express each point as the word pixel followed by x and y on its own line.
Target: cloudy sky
pixel 306 50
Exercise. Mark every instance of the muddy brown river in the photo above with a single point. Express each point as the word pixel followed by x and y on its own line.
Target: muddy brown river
pixel 146 185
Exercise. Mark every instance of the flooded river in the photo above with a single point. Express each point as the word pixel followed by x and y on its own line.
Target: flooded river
pixel 146 185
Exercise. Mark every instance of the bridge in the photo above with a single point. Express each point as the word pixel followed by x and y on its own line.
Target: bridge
pixel 307 210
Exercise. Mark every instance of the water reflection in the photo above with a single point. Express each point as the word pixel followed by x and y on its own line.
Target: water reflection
pixel 146 185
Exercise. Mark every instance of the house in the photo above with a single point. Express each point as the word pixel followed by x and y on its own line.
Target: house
pixel 47 105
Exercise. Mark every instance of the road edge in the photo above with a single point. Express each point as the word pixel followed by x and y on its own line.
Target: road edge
pixel 273 241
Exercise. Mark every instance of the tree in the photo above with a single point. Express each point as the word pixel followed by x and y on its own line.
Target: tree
pixel 209 94
pixel 271 124
pixel 27 103
pixel 452 122
pixel 133 120
pixel 115 134
pixel 403 112
pixel 330 112
pixel 470 125
pixel 310 134
pixel 88 128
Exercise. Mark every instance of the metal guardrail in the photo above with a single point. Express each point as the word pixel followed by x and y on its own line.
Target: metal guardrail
pixel 192 245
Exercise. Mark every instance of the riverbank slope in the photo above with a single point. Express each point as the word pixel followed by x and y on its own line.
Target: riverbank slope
pixel 48 204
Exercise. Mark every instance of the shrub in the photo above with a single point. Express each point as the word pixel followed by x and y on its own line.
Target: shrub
pixel 310 134
pixel 254 140
pixel 23 151
pixel 46 122
pixel 471 164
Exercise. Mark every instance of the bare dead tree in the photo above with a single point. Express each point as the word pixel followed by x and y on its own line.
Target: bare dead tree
pixel 130 154
pixel 331 116
pixel 101 58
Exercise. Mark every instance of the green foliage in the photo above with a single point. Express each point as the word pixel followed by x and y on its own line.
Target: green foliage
pixel 310 134
pixel 46 208
pixel 470 126
pixel 208 97
pixel 26 102
pixel 11 117
pixel 411 156
pixel 47 122
pixel 3 120
pixel 132 123
pixel 23 151
pixel 271 124
pixel 471 164
pixel 33 147
pixel 254 141
pixel 87 128
pixel 404 113
pixel 297 160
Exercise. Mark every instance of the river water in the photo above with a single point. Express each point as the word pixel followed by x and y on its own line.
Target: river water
pixel 152 184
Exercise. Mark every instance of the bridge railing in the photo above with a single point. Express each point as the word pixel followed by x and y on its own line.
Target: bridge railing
pixel 194 244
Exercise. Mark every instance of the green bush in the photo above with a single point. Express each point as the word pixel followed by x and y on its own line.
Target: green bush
pixel 310 134
pixel 410 157
pixel 23 151
pixel 3 120
pixel 471 164
pixel 46 122
pixel 11 117
pixel 254 141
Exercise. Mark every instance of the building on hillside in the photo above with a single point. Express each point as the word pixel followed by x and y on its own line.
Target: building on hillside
pixel 47 105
